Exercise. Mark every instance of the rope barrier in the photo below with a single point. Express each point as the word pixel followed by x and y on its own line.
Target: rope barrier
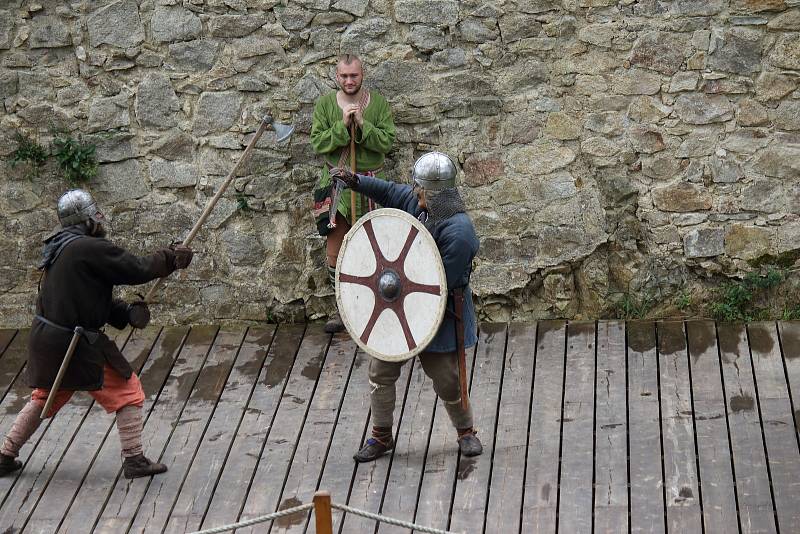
pixel 390 520
pixel 260 519
pixel 304 507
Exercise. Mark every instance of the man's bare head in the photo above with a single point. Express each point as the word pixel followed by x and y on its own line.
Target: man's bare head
pixel 349 73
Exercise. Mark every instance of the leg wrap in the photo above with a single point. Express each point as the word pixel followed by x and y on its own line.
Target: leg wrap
pixel 24 426
pixel 129 424
pixel 382 378
pixel 442 368
pixel 332 275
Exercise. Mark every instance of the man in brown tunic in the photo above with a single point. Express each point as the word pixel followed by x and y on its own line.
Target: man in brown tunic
pixel 81 268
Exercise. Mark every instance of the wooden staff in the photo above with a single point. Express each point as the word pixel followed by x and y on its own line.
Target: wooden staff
pixel 458 305
pixel 353 168
pixel 76 336
pixel 265 122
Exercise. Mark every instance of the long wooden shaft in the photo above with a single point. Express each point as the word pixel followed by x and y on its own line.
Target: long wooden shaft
pixel 76 336
pixel 213 202
pixel 458 304
pixel 353 216
pixel 322 512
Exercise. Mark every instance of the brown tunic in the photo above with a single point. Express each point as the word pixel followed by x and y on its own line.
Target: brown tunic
pixel 77 291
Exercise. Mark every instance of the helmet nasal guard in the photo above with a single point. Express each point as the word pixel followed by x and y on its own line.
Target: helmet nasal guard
pixel 435 171
pixel 77 206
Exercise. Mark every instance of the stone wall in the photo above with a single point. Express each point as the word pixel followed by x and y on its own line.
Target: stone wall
pixel 607 147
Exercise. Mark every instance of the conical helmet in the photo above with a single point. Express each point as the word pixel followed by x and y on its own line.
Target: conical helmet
pixel 435 171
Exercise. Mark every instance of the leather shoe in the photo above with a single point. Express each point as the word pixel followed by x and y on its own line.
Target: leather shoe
pixel 139 466
pixel 334 325
pixel 373 449
pixel 8 464
pixel 469 444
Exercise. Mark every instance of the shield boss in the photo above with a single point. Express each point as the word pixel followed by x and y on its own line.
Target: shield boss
pixel 390 285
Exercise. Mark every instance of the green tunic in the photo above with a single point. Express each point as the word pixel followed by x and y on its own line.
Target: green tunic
pixel 329 136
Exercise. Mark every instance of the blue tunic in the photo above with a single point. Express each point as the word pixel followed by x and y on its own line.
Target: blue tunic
pixel 457 244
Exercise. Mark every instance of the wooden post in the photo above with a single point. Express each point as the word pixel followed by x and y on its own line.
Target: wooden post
pixel 322 512
pixel 353 216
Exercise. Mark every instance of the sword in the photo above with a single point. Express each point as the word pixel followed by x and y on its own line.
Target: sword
pixel 76 336
pixel 353 168
pixel 458 304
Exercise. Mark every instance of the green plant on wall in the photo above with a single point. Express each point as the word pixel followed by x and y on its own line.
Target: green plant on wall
pixel 630 307
pixel 738 301
pixel 75 158
pixel 28 152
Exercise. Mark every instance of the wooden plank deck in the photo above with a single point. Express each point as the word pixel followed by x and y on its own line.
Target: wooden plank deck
pixel 601 427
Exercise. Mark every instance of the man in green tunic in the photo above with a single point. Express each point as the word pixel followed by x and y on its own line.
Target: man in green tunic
pixel 365 113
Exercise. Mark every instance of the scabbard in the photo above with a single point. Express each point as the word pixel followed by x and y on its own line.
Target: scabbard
pixel 458 305
pixel 76 336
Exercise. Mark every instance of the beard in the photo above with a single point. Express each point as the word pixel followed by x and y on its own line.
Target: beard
pixel 352 90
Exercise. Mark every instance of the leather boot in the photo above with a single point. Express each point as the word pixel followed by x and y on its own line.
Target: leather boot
pixel 334 324
pixel 373 449
pixel 8 464
pixel 139 466
pixel 469 444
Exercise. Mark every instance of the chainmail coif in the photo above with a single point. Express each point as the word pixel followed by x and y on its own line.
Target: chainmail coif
pixel 442 205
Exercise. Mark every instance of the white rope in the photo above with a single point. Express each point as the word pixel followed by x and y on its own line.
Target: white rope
pixel 261 519
pixel 303 508
pixel 391 521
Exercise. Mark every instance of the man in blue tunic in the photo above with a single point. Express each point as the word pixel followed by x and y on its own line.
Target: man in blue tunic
pixel 435 201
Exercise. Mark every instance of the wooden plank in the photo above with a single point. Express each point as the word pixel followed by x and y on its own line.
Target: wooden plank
pixel 13 360
pixel 353 423
pixel 611 430
pixel 402 488
pixel 105 470
pixel 6 335
pixel 126 495
pixel 541 473
pixel 256 425
pixel 215 448
pixel 681 484
pixel 713 450
pixel 789 332
pixel 369 481
pixel 747 447
pixel 472 482
pixel 45 459
pixel 278 452
pixel 777 423
pixel 314 444
pixel 644 435
pixel 577 431
pixel 511 438
pixel 441 464
pixel 182 447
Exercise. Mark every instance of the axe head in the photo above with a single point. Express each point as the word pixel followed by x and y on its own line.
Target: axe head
pixel 282 131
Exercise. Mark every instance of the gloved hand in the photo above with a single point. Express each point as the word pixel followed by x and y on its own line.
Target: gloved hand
pixel 183 255
pixel 138 314
pixel 345 175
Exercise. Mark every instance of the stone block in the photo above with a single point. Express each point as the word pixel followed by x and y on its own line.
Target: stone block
pixel 682 197
pixel 216 112
pixel 704 243
pixel 431 12
pixel 156 104
pixel 541 157
pixel 563 126
pixel 235 25
pixel 116 24
pixel 703 109
pixel 748 242
pixel 663 52
pixel 49 32
pixel 174 23
pixel 636 82
pixel 172 174
pixel 786 52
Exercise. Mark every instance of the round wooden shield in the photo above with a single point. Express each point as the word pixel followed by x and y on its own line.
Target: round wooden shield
pixel 390 285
